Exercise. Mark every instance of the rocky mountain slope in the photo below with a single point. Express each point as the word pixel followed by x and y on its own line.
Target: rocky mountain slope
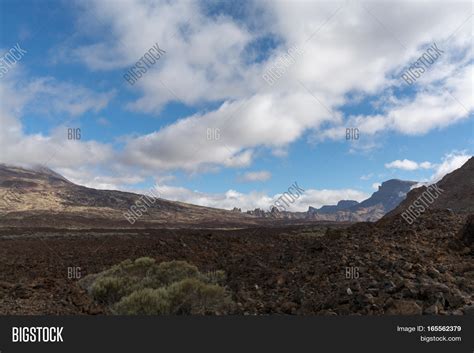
pixel 41 197
pixel 456 192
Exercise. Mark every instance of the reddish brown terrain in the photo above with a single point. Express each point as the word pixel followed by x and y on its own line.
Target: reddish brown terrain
pixel 396 268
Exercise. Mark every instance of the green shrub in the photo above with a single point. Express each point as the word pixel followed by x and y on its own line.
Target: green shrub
pixel 111 285
pixel 173 271
pixel 145 301
pixel 145 287
pixel 139 267
pixel 216 277
pixel 187 297
pixel 194 297
pixel 110 289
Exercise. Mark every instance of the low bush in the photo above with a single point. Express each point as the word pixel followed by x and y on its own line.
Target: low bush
pixel 147 288
pixel 146 301
pixel 187 297
pixel 110 289
pixel 172 271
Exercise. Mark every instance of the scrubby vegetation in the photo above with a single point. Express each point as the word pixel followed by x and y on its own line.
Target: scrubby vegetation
pixel 144 287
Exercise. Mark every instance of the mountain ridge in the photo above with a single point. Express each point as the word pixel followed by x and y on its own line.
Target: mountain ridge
pixel 36 194
pixel 43 198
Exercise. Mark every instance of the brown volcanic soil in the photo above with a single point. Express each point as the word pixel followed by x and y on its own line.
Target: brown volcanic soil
pixel 403 269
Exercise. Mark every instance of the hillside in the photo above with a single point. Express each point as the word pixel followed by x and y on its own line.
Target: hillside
pixel 457 192
pixel 42 198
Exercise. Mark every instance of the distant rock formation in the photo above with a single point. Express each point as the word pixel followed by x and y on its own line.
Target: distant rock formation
pixel 258 212
pixel 341 205
pixel 389 194
pixel 385 199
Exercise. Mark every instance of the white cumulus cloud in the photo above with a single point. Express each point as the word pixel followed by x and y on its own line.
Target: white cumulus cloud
pixel 407 164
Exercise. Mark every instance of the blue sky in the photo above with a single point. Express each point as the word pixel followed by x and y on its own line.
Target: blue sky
pixel 345 73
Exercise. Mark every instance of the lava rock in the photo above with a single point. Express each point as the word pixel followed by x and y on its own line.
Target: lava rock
pixel 404 307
